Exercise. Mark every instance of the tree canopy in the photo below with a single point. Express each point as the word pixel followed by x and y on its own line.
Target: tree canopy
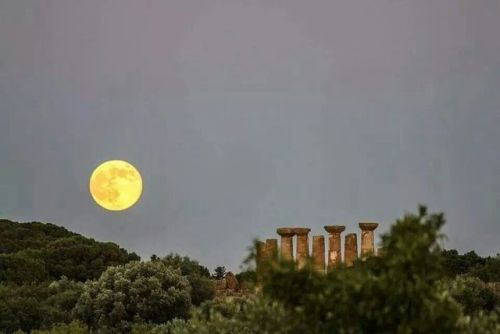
pixel 36 252
pixel 134 292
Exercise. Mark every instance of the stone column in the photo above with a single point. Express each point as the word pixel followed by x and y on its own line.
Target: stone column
pixel 334 248
pixel 350 248
pixel 302 245
pixel 272 249
pixel 260 260
pixel 367 239
pixel 318 252
pixel 286 234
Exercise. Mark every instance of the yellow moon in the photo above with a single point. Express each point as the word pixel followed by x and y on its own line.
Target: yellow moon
pixel 116 185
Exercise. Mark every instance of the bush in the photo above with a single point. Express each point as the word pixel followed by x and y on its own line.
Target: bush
pixel 474 295
pixel 37 306
pixel 202 287
pixel 72 328
pixel 247 279
pixel 228 316
pixel 485 268
pixel 484 323
pixel 138 292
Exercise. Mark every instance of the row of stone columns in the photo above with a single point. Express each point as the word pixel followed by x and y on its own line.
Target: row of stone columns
pixel 318 246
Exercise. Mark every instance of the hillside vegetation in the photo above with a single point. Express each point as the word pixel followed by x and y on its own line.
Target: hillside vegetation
pixel 54 281
pixel 37 252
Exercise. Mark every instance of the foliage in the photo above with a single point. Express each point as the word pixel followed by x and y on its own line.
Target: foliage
pixel 484 323
pixel 227 316
pixel 82 259
pixel 15 237
pixel 247 279
pixel 475 295
pixel 485 268
pixel 23 267
pixel 135 292
pixel 35 306
pixel 37 252
pixel 413 288
pixel 219 272
pixel 202 287
pixel 186 265
pixel 74 327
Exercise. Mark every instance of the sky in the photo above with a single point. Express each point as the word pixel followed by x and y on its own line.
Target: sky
pixel 244 116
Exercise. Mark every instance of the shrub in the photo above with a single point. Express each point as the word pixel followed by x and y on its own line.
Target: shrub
pixel 228 316
pixel 136 292
pixel 474 295
pixel 37 306
pixel 202 287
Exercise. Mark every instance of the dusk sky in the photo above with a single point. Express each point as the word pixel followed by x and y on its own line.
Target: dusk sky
pixel 243 116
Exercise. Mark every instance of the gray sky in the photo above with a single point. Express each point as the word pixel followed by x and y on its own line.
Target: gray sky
pixel 243 116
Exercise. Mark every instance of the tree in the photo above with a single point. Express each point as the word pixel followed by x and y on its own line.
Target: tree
pixel 202 287
pixel 23 267
pixel 247 279
pixel 485 268
pixel 186 265
pixel 134 293
pixel 37 252
pixel 474 295
pixel 16 237
pixel 219 272
pixel 81 259
pixel 37 306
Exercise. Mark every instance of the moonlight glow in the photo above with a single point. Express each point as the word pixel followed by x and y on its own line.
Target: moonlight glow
pixel 116 185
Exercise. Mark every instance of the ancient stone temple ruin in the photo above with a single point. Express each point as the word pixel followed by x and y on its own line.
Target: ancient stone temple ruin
pixel 268 251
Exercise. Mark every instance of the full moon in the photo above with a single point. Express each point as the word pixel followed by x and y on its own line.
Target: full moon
pixel 116 185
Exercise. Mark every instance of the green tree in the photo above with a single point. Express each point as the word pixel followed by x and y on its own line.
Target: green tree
pixel 186 265
pixel 134 293
pixel 37 252
pixel 16 237
pixel 37 306
pixel 485 268
pixel 247 279
pixel 474 295
pixel 219 272
pixel 23 267
pixel 80 258
pixel 202 287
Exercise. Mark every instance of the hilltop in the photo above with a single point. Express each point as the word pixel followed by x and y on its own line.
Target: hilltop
pixel 36 252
